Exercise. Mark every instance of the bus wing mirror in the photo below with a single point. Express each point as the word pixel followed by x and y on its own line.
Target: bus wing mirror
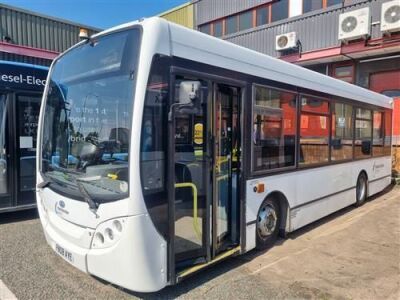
pixel 189 92
pixel 188 97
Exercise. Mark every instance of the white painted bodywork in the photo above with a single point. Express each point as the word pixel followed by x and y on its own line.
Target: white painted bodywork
pixel 138 260
pixel 314 186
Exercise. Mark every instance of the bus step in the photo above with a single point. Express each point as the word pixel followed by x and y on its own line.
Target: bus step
pixel 196 268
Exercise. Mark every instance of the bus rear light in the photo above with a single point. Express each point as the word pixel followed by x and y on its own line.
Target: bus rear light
pixel 108 233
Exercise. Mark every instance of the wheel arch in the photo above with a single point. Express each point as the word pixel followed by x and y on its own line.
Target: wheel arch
pixel 284 210
pixel 363 171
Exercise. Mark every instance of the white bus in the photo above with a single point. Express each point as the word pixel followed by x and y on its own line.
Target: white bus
pixel 163 150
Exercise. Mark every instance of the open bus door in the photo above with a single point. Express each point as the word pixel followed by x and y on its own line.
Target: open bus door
pixel 204 165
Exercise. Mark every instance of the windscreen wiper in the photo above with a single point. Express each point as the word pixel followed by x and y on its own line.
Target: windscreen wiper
pixel 43 184
pixel 93 205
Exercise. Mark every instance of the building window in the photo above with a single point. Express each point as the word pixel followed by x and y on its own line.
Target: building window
pixel 314 131
pixel 344 72
pixel 342 132
pixel 279 10
pixel 274 128
pixel 218 28
pixel 333 2
pixel 231 25
pixel 262 16
pixel 310 5
pixel 363 133
pixel 322 69
pixel 205 28
pixel 245 20
pixel 377 134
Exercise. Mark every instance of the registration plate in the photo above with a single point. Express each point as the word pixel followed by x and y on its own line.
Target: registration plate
pixel 64 253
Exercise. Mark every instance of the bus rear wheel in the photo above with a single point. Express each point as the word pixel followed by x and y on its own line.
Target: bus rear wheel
pixel 267 225
pixel 361 190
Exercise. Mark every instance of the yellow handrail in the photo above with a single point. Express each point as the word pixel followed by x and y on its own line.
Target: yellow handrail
pixel 194 189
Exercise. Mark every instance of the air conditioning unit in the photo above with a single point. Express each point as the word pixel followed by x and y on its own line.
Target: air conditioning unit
pixel 354 24
pixel 390 17
pixel 286 41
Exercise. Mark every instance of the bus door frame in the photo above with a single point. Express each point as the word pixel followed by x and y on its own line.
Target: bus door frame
pixel 212 81
pixel 13 169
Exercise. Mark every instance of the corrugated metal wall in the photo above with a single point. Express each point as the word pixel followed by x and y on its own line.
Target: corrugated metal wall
pixel 28 29
pixel 314 30
pixel 208 10
pixel 182 15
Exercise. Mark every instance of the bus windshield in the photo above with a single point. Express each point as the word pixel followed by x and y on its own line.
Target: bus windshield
pixel 87 118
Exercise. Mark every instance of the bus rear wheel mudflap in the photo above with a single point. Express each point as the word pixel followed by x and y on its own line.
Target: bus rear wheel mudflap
pixel 268 223
pixel 361 189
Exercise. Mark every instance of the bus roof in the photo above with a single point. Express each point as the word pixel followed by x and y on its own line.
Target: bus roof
pixel 7 62
pixel 197 46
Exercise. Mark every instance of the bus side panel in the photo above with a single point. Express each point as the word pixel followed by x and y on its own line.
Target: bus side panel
pixel 316 192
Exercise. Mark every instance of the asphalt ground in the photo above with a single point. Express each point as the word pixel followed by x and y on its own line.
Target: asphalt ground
pixel 352 254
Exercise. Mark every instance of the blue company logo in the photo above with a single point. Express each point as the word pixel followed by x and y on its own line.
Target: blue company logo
pixel 60 208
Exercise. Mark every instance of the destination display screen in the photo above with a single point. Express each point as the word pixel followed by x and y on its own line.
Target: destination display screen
pixel 22 77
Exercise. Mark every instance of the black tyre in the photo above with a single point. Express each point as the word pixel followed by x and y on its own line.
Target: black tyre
pixel 267 224
pixel 361 189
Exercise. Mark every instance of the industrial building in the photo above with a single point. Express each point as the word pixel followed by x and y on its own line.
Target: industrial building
pixel 28 44
pixel 34 38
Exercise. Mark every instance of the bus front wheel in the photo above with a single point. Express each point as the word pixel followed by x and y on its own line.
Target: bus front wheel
pixel 361 190
pixel 267 225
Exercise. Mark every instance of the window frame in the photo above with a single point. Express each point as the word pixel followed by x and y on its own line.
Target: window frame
pixel 334 66
pixel 245 12
pixel 271 13
pixel 323 6
pixel 355 119
pixel 254 172
pixel 353 107
pixel 382 129
pixel 212 31
pixel 267 7
pixel 328 98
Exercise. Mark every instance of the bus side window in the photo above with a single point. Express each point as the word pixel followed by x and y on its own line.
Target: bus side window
pixel 274 128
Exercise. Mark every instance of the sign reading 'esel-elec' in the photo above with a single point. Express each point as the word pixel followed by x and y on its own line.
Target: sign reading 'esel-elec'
pixel 15 76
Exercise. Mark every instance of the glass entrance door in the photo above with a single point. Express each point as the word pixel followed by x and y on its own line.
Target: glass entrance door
pixel 225 198
pixel 5 178
pixel 204 129
pixel 27 116
pixel 191 171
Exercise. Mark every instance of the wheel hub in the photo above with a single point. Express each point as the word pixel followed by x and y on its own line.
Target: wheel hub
pixel 266 221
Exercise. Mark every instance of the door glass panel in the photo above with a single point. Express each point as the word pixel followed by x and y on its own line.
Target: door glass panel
pixel 190 167
pixel 226 165
pixel 27 123
pixel 3 147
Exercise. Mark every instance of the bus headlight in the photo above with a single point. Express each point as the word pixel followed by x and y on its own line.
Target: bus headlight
pixel 108 233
